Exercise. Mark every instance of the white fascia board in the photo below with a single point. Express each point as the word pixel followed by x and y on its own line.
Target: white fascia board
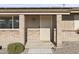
pixel 34 13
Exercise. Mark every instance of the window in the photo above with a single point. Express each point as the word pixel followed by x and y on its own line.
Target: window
pixel 68 17
pixel 16 22
pixel 9 22
pixel 74 18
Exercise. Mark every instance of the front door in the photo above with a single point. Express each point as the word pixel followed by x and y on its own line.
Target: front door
pixel 45 27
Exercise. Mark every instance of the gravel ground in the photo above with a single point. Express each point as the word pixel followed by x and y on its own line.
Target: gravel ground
pixel 3 51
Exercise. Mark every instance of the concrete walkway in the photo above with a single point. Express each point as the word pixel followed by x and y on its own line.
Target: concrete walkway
pixel 46 51
pixel 40 51
pixel 31 51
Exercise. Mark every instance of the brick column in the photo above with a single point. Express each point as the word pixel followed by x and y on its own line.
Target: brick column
pixel 59 30
pixel 22 28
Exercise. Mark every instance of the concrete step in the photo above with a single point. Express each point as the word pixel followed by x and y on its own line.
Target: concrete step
pixel 39 44
pixel 37 41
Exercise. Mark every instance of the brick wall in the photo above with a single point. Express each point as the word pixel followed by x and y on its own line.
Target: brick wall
pixel 9 36
pixel 33 34
pixel 68 30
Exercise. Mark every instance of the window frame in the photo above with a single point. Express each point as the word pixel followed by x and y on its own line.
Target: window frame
pixel 68 17
pixel 12 26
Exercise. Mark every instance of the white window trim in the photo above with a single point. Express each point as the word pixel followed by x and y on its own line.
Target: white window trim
pixel 12 22
pixel 9 29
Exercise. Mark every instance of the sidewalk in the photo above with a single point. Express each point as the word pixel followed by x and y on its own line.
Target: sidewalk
pixel 47 51
pixel 40 51
pixel 31 51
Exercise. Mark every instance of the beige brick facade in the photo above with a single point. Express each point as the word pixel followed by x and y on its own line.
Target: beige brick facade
pixel 65 28
pixel 9 36
pixel 59 30
pixel 33 34
pixel 22 28
pixel 67 31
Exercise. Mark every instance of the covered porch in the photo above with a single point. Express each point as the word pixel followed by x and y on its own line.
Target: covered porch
pixel 35 26
pixel 40 31
pixel 45 28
